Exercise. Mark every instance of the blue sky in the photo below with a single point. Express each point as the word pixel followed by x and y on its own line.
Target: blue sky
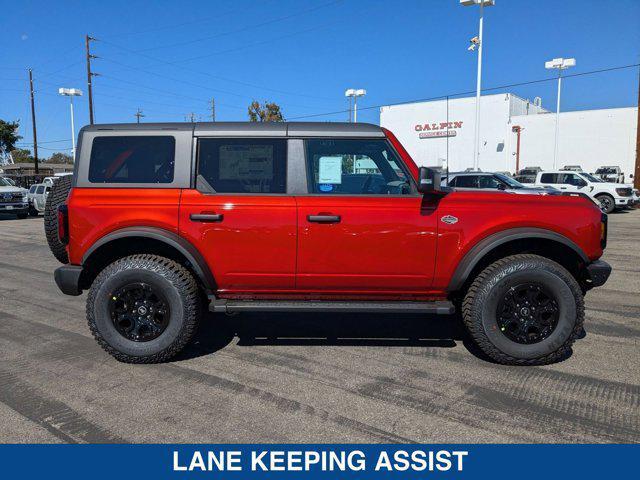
pixel 169 58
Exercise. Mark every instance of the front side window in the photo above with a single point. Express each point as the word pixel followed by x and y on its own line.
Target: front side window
pixel 487 181
pixel 132 159
pixel 571 179
pixel 32 189
pixel 355 167
pixel 242 165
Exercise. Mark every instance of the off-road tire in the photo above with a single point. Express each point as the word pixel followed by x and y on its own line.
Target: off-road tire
pixel 480 303
pixel 57 196
pixel 32 211
pixel 610 205
pixel 181 290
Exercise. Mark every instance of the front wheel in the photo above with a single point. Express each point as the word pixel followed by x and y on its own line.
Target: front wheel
pixel 524 310
pixel 607 203
pixel 144 308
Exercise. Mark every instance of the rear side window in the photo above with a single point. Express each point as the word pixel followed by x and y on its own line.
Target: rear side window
pixel 132 159
pixel 549 178
pixel 467 181
pixel 242 165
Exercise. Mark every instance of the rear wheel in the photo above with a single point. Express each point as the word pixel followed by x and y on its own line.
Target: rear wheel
pixel 57 196
pixel 524 310
pixel 607 202
pixel 144 308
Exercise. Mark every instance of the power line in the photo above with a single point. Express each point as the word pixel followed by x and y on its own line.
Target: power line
pixel 243 29
pixel 458 94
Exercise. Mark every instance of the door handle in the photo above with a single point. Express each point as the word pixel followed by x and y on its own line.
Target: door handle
pixel 206 217
pixel 323 218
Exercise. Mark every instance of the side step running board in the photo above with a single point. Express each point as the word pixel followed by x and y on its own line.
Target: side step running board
pixel 233 306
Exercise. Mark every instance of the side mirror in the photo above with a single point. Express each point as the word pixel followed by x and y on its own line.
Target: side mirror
pixel 429 180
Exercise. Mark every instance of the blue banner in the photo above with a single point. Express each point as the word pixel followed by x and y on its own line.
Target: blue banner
pixel 519 462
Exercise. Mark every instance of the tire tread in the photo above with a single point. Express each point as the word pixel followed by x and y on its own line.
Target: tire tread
pixel 176 274
pixel 472 321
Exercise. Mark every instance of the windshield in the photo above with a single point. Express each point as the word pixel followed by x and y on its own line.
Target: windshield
pixel 509 181
pixel 4 182
pixel 591 178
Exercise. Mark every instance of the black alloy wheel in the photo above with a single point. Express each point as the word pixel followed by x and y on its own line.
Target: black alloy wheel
pixel 139 312
pixel 528 313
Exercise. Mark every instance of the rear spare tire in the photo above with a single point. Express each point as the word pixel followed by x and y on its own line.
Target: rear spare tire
pixel 524 310
pixel 57 196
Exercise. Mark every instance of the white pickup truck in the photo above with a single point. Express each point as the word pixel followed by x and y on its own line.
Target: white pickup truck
pixel 13 199
pixel 609 195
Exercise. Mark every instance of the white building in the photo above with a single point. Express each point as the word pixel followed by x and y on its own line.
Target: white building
pixel 441 131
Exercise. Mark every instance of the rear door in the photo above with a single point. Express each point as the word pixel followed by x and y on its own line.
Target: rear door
pixel 362 228
pixel 240 215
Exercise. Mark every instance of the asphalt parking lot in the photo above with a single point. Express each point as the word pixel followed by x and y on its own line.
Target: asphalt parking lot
pixel 312 378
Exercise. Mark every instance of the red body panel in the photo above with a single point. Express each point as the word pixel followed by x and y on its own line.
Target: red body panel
pixel 383 247
pixel 481 214
pixel 96 212
pixel 381 244
pixel 253 248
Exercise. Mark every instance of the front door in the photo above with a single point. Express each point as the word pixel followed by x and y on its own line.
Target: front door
pixel 362 228
pixel 240 217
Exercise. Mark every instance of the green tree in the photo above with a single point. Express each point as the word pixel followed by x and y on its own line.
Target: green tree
pixel 8 136
pixel 22 155
pixel 267 112
pixel 60 157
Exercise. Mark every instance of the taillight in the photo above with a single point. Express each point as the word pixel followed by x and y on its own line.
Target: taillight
pixel 63 224
pixel 603 230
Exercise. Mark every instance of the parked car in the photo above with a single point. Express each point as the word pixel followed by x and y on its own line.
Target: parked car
pixel 610 174
pixel 572 168
pixel 163 220
pixel 492 181
pixel 37 196
pixel 527 174
pixel 525 179
pixel 13 199
pixel 609 195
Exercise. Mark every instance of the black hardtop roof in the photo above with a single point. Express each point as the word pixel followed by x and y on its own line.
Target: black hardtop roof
pixel 270 129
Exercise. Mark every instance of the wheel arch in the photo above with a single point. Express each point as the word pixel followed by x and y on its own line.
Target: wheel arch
pixel 135 240
pixel 539 241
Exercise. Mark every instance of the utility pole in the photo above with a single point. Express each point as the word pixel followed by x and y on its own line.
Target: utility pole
pixel 33 121
pixel 138 114
pixel 636 174
pixel 213 109
pixel 90 75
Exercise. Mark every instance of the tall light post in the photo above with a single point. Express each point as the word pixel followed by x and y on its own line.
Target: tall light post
pixel 476 42
pixel 355 93
pixel 71 92
pixel 558 64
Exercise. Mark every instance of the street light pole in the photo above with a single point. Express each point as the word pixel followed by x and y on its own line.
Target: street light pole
pixel 71 92
pixel 558 64
pixel 477 42
pixel 476 132
pixel 352 93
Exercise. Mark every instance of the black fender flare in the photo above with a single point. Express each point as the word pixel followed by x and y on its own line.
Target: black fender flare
pixel 186 248
pixel 484 246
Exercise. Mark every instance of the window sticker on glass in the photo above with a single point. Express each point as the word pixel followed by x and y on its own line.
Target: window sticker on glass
pixel 246 162
pixel 330 170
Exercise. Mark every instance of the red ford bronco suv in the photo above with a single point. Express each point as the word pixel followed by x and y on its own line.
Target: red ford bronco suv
pixel 163 221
